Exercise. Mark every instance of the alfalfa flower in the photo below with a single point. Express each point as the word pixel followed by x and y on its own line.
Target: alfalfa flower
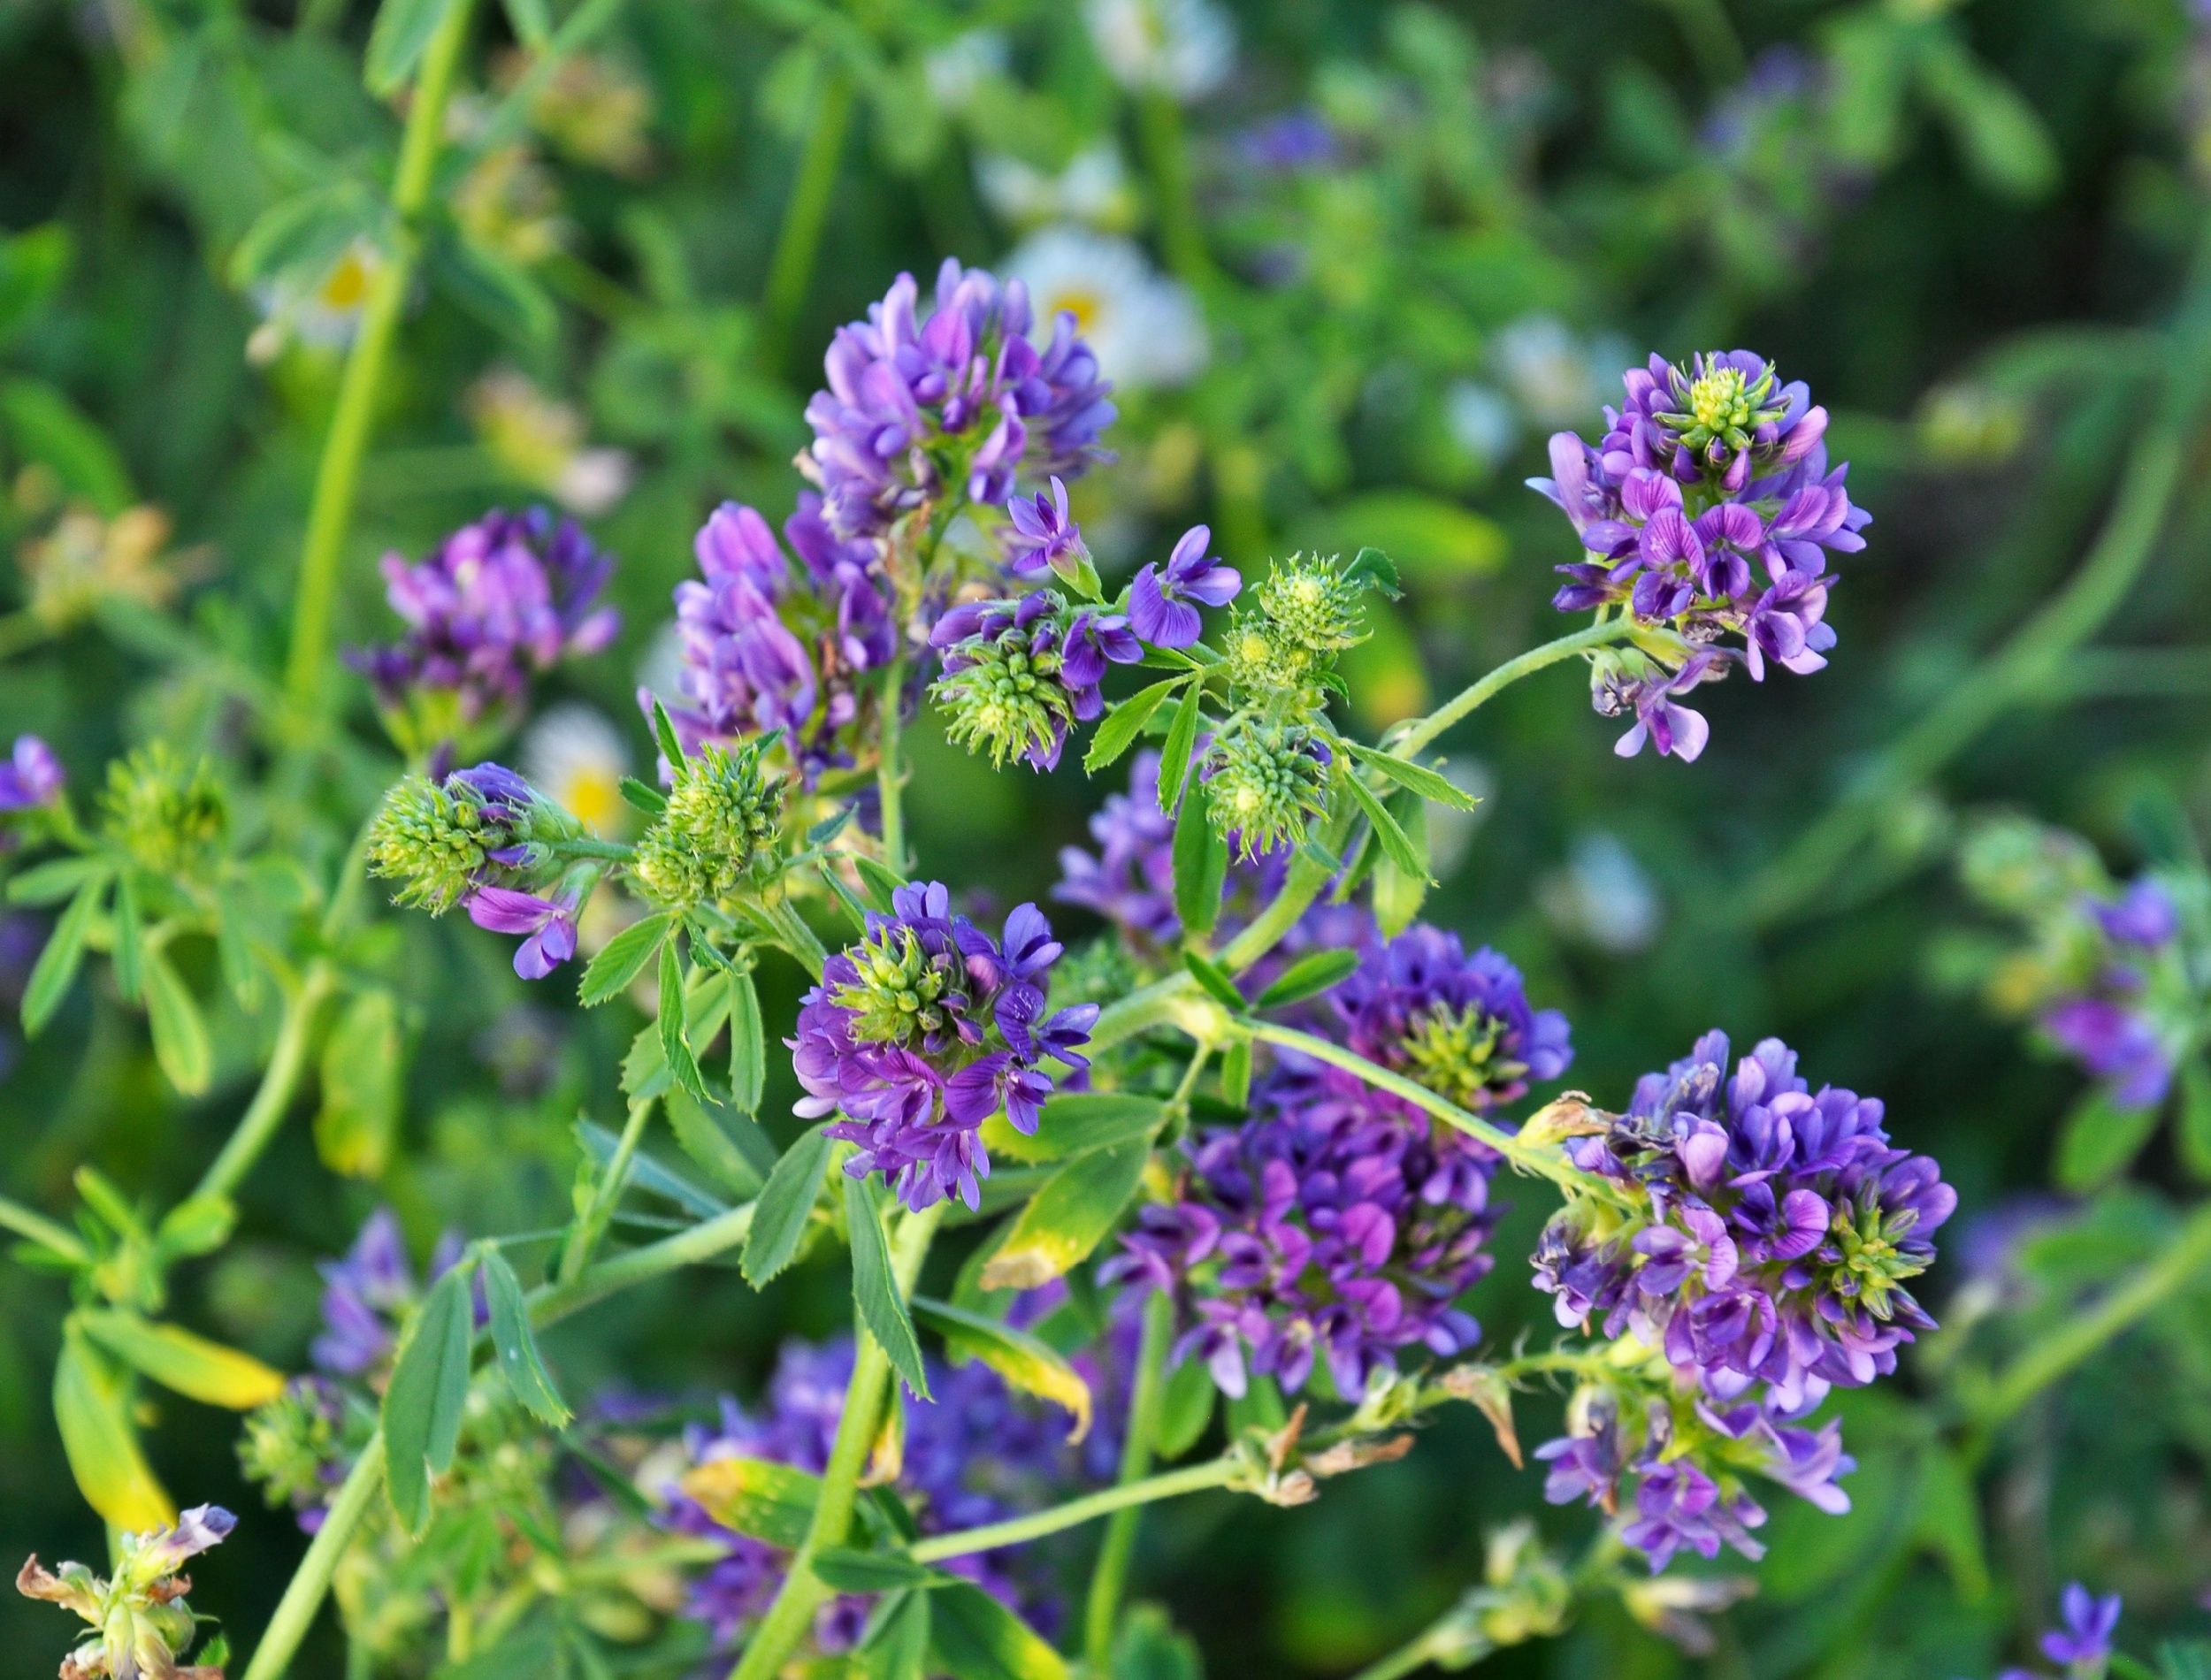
pixel 924 1028
pixel 1045 536
pixel 168 812
pixel 1018 673
pixel 1265 782
pixel 1163 601
pixel 141 1627
pixel 31 777
pixel 721 823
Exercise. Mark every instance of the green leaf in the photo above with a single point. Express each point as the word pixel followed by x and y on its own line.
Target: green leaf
pixel 179 1034
pixel 711 1149
pixel 1236 1074
pixel 979 1639
pixel 1429 784
pixel 1181 740
pixel 755 1496
pixel 196 1225
pixel 643 796
pixel 1022 1360
pixel 1395 844
pixel 304 233
pixel 396 43
pixel 532 22
pixel 1146 1646
pixel 878 880
pixel 46 427
pixel 1214 979
pixel 129 948
pixel 97 1439
pixel 899 1648
pixel 192 1365
pixel 1120 728
pixel 50 882
pixel 1398 894
pixel 671 745
pixel 363 1073
pixel 622 959
pixel 749 1044
pixel 424 1401
pixel 683 1066
pixel 1186 1407
pixel 2100 1140
pixel 516 1347
pixel 785 1205
pixel 648 1174
pixel 1308 977
pixel 1370 565
pixel 58 963
pixel 1201 869
pixel 234 953
pixel 876 1291
pixel 1076 1123
pixel 847 1569
pixel 2194 1137
pixel 32 264
pixel 1067 1218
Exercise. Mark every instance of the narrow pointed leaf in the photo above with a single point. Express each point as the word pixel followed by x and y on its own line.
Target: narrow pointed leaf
pixel 58 963
pixel 1181 740
pixel 425 1399
pixel 755 1496
pixel 876 1291
pixel 1067 1218
pixel 979 1638
pixel 519 1361
pixel 848 1569
pixel 748 1043
pixel 1396 845
pixel 1418 778
pixel 129 951
pixel 1118 732
pixel 192 1365
pixel 1201 869
pixel 1025 1362
pixel 1308 977
pixel 683 1066
pixel 97 1439
pixel 179 1032
pixel 787 1204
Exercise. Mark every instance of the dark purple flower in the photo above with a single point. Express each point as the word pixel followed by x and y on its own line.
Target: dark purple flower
pixel 2115 1042
pixel 2089 1623
pixel 1159 600
pixel 31 777
pixel 1043 536
pixel 501 600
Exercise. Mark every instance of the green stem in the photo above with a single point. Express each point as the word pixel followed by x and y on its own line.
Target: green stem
pixel 1546 1163
pixel 791 268
pixel 337 477
pixel 796 936
pixel 788 1618
pixel 264 1115
pixel 889 787
pixel 585 846
pixel 1166 153
pixel 2071 1344
pixel 1409 1658
pixel 606 1191
pixel 36 1227
pixel 1143 1009
pixel 303 1597
pixel 1416 735
pixel 1168 1484
pixel 1108 1579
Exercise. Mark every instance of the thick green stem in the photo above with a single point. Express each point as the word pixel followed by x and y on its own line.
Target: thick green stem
pixel 264 1115
pixel 785 1624
pixel 295 1610
pixel 1102 1609
pixel 2070 1345
pixel 338 477
pixel 606 1192
pixel 889 772
pixel 1169 1484
pixel 1545 1163
pixel 791 268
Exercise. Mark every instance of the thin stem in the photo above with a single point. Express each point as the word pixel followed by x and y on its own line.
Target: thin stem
pixel 790 1616
pixel 889 787
pixel 1416 735
pixel 1168 1484
pixel 1409 1658
pixel 1167 154
pixel 258 1126
pixel 36 1227
pixel 1548 1164
pixel 1141 1010
pixel 2070 1345
pixel 585 846
pixel 1108 1578
pixel 792 267
pixel 303 1597
pixel 796 936
pixel 338 475
pixel 704 1242
pixel 606 1191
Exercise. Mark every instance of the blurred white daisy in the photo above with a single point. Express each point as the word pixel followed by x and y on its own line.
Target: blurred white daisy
pixel 956 71
pixel 1179 47
pixel 320 310
pixel 540 441
pixel 1144 327
pixel 575 756
pixel 1093 189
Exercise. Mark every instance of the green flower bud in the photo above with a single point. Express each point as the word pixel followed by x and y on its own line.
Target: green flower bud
pixel 1265 782
pixel 170 816
pixel 1454 1054
pixel 898 992
pixel 287 1445
pixel 1005 699
pixel 1312 605
pixel 1724 404
pixel 1260 660
pixel 434 841
pixel 723 817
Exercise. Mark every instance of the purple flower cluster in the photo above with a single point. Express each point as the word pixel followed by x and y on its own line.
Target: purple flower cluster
pixel 366 1294
pixel 959 395
pixel 1163 601
pixel 973 1454
pixel 767 646
pixel 501 599
pixel 1018 673
pixel 2081 1644
pixel 925 1028
pixel 1758 1236
pixel 30 779
pixel 2126 1027
pixel 1707 507
pixel 1328 1228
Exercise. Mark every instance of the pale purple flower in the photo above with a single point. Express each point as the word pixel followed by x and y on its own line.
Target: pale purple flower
pixel 547 926
pixel 2089 1622
pixel 1159 600
pixel 31 777
pixel 1043 536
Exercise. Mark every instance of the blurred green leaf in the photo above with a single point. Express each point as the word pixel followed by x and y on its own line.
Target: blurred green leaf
pixel 1026 1364
pixel 100 1444
pixel 46 427
pixel 191 1365
pixel 770 1501
pixel 398 39
pixel 180 1031
pixel 363 1078
pixel 1067 1218
pixel 2100 1139
pixel 979 1638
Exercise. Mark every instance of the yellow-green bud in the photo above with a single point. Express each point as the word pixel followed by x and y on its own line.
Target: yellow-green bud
pixel 722 820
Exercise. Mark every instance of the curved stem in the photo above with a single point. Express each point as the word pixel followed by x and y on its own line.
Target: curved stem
pixel 1416 735
pixel 788 1617
pixel 1168 1484
pixel 1102 1610
pixel 33 1227
pixel 264 1115
pixel 2067 1347
pixel 338 475
pixel 606 1191
pixel 1409 1658
pixel 295 1611
pixel 1545 1163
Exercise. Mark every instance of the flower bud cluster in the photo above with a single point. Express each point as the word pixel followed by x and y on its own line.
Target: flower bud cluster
pixel 141 1625
pixel 1018 673
pixel 720 825
pixel 169 814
